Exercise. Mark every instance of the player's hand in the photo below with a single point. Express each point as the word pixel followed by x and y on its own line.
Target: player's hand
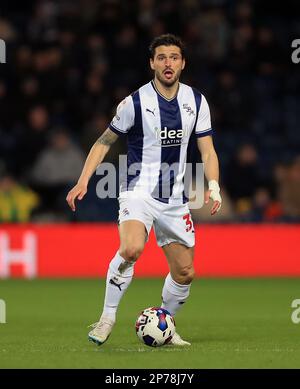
pixel 78 191
pixel 213 193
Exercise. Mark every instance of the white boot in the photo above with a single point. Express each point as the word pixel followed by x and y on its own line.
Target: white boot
pixel 101 330
pixel 177 341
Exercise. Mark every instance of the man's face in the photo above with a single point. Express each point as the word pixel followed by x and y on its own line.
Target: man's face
pixel 167 64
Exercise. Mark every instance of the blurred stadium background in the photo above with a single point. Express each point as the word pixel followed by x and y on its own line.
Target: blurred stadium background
pixel 69 63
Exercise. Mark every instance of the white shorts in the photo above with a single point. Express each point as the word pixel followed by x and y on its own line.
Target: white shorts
pixel 172 223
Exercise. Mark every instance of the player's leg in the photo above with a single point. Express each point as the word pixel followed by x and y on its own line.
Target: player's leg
pixel 177 284
pixel 135 222
pixel 133 235
pixel 175 234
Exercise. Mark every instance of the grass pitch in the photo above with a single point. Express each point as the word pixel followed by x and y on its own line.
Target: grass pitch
pixel 231 323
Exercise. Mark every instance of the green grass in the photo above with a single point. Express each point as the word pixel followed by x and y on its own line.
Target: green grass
pixel 231 323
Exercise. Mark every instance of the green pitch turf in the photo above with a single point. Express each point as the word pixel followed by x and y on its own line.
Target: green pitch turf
pixel 231 323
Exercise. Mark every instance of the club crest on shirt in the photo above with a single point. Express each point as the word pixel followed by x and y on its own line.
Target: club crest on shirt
pixel 188 109
pixel 169 137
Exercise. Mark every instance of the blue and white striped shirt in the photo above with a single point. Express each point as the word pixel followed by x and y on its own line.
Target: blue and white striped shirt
pixel 158 132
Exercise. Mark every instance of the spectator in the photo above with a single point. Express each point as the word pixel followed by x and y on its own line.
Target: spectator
pixel 289 190
pixel 17 202
pixel 263 208
pixel 34 137
pixel 56 169
pixel 242 176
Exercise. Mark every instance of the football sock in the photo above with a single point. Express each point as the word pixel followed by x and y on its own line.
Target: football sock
pixel 119 276
pixel 174 295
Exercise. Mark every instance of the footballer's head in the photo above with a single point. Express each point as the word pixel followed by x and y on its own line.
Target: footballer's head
pixel 167 58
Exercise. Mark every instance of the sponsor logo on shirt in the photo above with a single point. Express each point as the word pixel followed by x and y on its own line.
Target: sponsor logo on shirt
pixel 169 137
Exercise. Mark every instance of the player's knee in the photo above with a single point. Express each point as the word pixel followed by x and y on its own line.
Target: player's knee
pixel 185 275
pixel 132 252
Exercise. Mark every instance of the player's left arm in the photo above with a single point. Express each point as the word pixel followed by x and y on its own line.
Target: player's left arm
pixel 211 170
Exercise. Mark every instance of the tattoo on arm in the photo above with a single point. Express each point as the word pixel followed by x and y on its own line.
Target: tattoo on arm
pixel 107 138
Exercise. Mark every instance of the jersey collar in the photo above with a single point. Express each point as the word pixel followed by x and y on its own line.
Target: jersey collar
pixel 165 98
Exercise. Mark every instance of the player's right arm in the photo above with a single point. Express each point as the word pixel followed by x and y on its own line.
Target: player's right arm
pixel 94 158
pixel 120 125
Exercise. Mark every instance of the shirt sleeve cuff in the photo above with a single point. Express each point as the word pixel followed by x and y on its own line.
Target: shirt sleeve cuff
pixel 116 130
pixel 209 131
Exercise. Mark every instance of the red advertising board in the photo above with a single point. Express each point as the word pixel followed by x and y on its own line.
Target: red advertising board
pixel 85 250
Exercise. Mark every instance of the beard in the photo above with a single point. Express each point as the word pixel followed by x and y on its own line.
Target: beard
pixel 168 83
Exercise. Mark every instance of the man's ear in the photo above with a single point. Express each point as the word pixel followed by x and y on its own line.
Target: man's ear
pixel 151 64
pixel 183 64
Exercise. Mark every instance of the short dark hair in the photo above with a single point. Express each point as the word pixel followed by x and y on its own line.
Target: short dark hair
pixel 166 40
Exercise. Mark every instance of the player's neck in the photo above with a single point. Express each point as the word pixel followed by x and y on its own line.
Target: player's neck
pixel 167 92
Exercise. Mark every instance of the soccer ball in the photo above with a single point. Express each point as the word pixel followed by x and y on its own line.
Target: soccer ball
pixel 155 326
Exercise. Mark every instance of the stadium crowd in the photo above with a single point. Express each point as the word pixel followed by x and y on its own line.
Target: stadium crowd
pixel 69 63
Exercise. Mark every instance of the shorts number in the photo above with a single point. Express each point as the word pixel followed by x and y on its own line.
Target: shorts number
pixel 188 222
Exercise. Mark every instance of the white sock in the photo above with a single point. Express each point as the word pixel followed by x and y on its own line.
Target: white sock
pixel 119 276
pixel 174 295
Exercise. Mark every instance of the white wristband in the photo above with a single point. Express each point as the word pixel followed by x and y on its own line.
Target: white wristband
pixel 213 185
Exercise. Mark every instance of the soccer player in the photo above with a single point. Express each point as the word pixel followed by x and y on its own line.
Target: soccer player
pixel 157 120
